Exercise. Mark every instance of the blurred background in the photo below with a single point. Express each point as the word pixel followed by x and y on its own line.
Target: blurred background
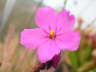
pixel 16 15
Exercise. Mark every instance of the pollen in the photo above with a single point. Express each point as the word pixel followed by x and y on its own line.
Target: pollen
pixel 52 33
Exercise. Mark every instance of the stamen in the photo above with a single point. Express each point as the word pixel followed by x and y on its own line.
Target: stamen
pixel 52 33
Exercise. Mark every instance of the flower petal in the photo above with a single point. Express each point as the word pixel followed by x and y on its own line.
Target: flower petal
pixel 47 51
pixel 31 38
pixel 46 18
pixel 65 21
pixel 68 41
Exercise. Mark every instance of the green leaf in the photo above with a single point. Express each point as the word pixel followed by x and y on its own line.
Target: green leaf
pixel 74 60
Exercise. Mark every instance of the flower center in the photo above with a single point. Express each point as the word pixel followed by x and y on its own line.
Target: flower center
pixel 52 34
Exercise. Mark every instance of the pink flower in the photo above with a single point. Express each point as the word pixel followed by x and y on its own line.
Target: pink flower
pixel 53 34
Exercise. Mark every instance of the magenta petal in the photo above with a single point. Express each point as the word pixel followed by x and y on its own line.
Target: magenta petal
pixel 46 18
pixel 31 38
pixel 69 41
pixel 65 21
pixel 47 51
